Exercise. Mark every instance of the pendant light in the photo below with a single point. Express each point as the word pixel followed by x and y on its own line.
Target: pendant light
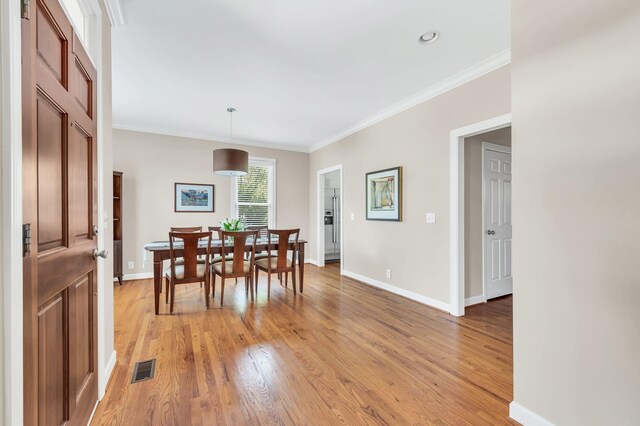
pixel 230 162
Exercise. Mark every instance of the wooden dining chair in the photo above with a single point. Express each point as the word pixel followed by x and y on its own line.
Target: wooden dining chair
pixel 180 261
pixel 237 266
pixel 190 271
pixel 262 233
pixel 280 262
pixel 216 230
pixel 262 230
pixel 187 229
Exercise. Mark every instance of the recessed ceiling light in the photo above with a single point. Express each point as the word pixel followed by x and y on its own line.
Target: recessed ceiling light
pixel 430 36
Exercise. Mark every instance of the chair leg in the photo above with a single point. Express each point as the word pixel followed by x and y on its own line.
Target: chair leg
pixel 236 280
pixel 166 290
pixel 213 285
pixel 173 297
pixel 251 287
pixel 246 286
pixel 221 291
pixel 268 285
pixel 206 291
pixel 286 279
pixel 293 279
pixel 255 282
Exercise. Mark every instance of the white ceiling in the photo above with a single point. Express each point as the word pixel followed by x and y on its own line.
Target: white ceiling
pixel 300 73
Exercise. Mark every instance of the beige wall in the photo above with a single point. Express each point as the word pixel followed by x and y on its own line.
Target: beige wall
pixel 576 210
pixel 417 139
pixel 473 227
pixel 153 163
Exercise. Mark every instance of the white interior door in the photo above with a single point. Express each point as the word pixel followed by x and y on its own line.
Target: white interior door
pixel 498 277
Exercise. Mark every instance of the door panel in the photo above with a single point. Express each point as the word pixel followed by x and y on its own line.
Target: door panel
pixel 80 183
pixel 51 44
pixel 83 88
pixel 51 125
pixel 51 363
pixel 497 227
pixel 81 333
pixel 59 201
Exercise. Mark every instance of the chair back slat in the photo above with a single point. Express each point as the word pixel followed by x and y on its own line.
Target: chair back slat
pixel 186 229
pixel 190 242
pixel 284 236
pixel 239 248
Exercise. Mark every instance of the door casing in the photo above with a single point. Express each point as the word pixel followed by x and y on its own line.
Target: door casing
pixel 320 215
pixel 456 205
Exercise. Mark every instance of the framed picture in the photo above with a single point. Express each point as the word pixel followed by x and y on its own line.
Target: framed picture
pixel 384 194
pixel 193 197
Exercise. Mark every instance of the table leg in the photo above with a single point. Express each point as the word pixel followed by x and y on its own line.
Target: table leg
pixel 157 282
pixel 301 266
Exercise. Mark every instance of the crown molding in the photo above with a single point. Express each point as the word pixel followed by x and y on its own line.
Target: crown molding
pixel 210 138
pixel 115 11
pixel 478 70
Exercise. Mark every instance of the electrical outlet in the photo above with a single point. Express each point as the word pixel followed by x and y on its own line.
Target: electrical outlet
pixel 353 216
pixel 431 218
pixel 388 273
pixel 130 265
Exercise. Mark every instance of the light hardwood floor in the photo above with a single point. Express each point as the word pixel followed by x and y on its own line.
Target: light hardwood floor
pixel 341 353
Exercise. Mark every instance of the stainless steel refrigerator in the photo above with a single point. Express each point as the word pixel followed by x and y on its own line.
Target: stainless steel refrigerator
pixel 332 224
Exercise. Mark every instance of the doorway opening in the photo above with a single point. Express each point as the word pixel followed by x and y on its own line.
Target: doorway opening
pixel 487 216
pixel 458 218
pixel 329 213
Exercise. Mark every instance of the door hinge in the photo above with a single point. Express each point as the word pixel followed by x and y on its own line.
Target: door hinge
pixel 26 239
pixel 25 9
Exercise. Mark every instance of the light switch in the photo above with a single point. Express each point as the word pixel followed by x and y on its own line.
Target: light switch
pixel 353 216
pixel 431 218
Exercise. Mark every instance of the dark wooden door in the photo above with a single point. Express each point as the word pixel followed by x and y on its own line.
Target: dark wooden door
pixel 60 204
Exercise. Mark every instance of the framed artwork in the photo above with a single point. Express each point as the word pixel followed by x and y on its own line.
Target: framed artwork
pixel 193 198
pixel 384 194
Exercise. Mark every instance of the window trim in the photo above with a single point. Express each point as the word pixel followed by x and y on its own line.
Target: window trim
pixel 265 162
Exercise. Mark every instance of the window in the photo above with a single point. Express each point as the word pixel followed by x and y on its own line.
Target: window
pixel 254 194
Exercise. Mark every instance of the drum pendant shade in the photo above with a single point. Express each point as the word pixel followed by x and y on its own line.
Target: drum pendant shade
pixel 230 162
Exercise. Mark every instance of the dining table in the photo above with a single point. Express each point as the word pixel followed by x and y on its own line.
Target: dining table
pixel 161 252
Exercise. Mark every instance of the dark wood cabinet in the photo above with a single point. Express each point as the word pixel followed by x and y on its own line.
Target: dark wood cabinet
pixel 117 226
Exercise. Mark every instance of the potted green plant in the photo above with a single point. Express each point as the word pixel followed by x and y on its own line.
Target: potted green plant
pixel 232 225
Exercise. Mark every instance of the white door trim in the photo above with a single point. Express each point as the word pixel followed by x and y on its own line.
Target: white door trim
pixel 11 258
pixel 106 361
pixel 320 215
pixel 456 210
pixel 487 146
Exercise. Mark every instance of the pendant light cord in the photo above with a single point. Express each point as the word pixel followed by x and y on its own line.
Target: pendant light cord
pixel 231 111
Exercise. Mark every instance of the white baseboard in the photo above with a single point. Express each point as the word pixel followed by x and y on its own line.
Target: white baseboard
pixel 399 291
pixel 475 300
pixel 526 417
pixel 140 276
pixel 311 261
pixel 108 369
